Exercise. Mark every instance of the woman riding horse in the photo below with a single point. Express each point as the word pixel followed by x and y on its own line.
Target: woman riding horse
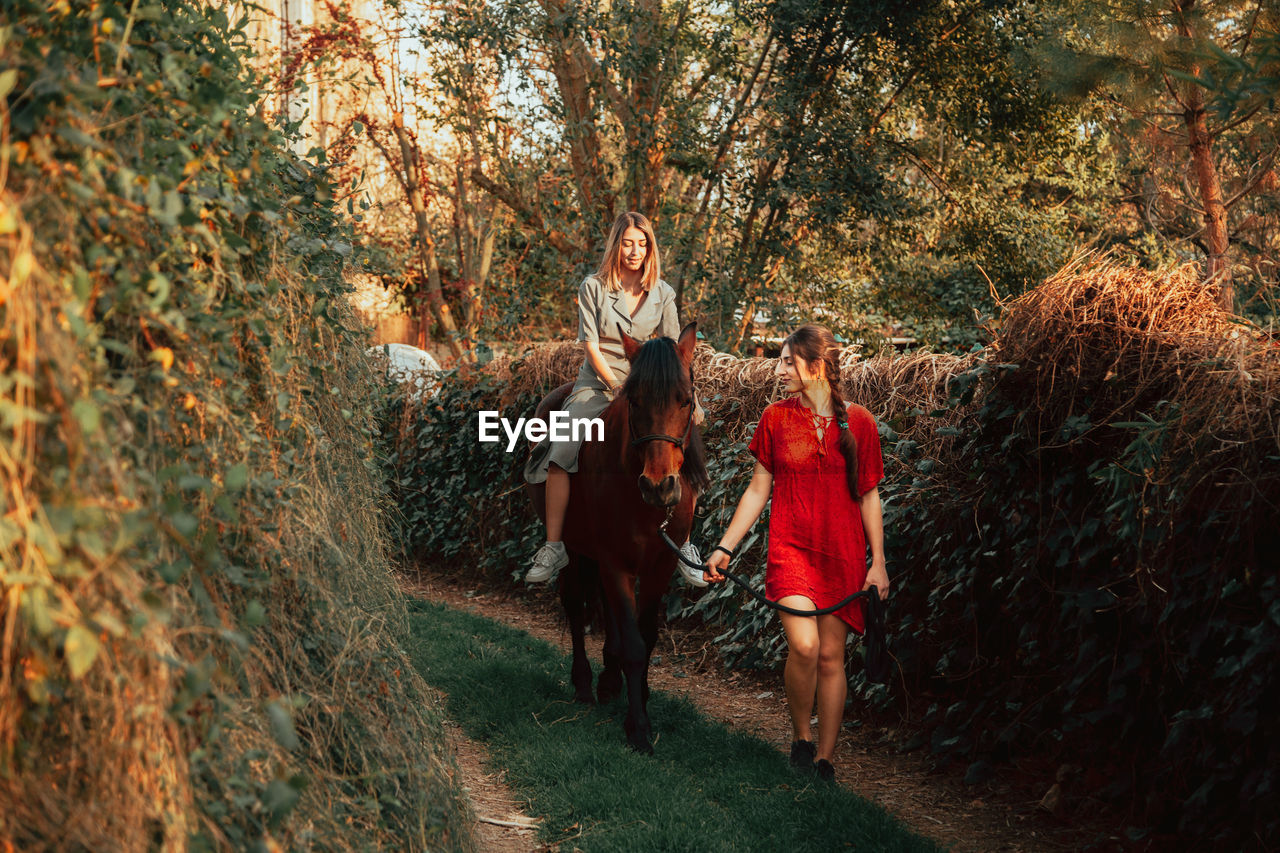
pixel 641 479
pixel 626 296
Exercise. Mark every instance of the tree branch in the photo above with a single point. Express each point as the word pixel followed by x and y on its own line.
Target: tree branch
pixel 1264 169
pixel 526 212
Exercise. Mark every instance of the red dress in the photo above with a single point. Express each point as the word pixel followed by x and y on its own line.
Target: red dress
pixel 817 547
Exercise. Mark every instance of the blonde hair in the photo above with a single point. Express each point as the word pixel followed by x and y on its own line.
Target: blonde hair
pixel 611 263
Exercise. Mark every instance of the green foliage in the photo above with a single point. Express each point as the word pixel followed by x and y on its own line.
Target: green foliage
pixel 459 499
pixel 199 596
pixel 889 164
pixel 1075 579
pixel 1068 592
pixel 706 788
pixel 1148 66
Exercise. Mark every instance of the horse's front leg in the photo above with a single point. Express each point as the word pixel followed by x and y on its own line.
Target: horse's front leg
pixel 609 687
pixel 619 590
pixel 649 603
pixel 575 586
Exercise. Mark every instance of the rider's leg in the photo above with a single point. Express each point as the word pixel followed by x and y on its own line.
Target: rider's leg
pixel 552 556
pixel 557 501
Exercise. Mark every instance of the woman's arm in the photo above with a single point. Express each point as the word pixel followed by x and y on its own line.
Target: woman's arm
pixel 873 523
pixel 591 349
pixel 590 297
pixel 750 505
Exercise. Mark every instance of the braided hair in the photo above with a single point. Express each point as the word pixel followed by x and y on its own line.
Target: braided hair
pixel 814 343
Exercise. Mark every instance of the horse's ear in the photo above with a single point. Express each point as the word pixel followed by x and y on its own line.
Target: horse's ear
pixel 630 345
pixel 688 340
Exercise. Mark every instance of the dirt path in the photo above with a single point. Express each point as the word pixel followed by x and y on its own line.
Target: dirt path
pixel 502 825
pixel 994 816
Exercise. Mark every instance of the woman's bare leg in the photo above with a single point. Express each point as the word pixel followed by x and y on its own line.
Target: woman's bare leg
pixel 801 672
pixel 832 685
pixel 557 501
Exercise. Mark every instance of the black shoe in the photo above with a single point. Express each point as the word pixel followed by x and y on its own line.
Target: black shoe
pixel 802 754
pixel 826 772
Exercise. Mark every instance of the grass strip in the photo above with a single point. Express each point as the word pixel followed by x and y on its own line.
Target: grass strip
pixel 706 789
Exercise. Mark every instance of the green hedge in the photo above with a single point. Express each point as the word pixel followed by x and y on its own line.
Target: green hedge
pixel 200 622
pixel 1057 592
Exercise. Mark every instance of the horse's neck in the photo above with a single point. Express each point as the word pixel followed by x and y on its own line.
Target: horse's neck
pixel 617 433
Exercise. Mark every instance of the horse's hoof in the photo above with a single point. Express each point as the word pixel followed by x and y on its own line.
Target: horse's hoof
pixel 639 737
pixel 608 689
pixel 584 697
pixel 643 748
pixel 641 743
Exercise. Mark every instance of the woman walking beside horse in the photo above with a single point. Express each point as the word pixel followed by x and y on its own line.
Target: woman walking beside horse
pixel 626 295
pixel 820 462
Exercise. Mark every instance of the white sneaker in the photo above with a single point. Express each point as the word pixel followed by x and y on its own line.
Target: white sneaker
pixel 692 576
pixel 550 559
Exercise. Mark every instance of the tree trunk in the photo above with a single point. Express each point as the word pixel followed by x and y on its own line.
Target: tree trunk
pixel 427 243
pixel 472 267
pixel 574 69
pixel 1217 240
pixel 727 138
pixel 644 114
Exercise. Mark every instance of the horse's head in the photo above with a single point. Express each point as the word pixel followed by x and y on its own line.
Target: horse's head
pixel 659 398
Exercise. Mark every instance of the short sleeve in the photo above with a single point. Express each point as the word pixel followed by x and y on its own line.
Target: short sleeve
pixel 589 297
pixel 669 326
pixel 870 461
pixel 761 445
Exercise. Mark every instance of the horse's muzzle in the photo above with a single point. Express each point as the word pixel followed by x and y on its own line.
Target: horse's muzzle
pixel 664 494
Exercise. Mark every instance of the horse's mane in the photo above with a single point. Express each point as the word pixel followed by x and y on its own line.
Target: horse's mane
pixel 657 375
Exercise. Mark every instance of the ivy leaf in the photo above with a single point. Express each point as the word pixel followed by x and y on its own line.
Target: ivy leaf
pixel 237 477
pixel 279 799
pixel 8 79
pixel 281 723
pixel 81 649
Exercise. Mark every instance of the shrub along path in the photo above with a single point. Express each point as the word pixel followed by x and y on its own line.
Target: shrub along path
pixel 707 788
pixel 995 815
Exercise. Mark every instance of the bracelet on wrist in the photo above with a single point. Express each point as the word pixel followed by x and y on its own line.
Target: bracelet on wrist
pixel 726 550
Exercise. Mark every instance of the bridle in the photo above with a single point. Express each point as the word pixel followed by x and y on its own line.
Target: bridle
pixel 659 436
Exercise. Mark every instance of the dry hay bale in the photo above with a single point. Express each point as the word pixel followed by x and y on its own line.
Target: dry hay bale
pixel 736 390
pixel 890 386
pixel 1116 343
pixel 1098 321
pixel 539 370
pixel 1132 337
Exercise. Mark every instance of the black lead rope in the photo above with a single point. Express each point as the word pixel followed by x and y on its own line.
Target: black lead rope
pixel 876 660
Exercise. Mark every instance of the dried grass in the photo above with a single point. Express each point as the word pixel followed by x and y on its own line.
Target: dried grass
pixel 735 391
pixel 103 763
pixel 1114 342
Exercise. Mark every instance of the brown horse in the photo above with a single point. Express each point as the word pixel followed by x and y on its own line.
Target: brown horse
pixel 649 468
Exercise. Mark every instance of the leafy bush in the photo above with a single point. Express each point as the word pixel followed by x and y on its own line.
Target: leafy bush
pixel 1082 542
pixel 459 499
pixel 1089 566
pixel 198 637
